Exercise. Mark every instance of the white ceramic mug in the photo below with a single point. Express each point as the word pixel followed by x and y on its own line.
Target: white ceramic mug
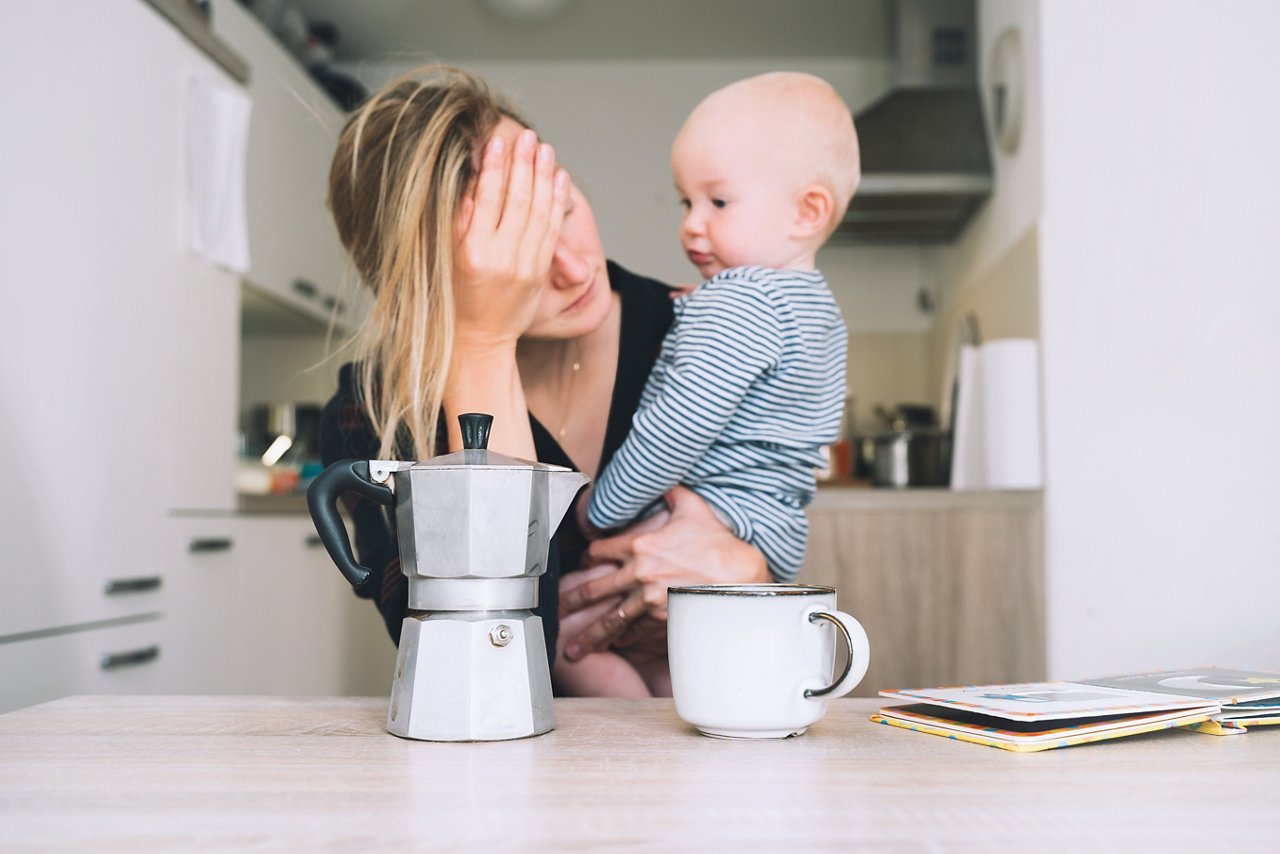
pixel 755 660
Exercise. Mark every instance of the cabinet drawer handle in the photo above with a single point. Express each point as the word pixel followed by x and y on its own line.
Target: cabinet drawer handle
pixel 117 586
pixel 305 288
pixel 313 541
pixel 132 658
pixel 211 544
pixel 334 304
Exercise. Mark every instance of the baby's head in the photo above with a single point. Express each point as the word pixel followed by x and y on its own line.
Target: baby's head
pixel 764 168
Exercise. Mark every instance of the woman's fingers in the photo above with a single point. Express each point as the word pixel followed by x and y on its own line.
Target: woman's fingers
pixel 571 625
pixel 540 211
pixel 619 547
pixel 466 213
pixel 559 204
pixel 615 549
pixel 647 630
pixel 621 581
pixel 682 291
pixel 501 263
pixel 490 188
pixel 602 633
pixel 515 208
pixel 573 580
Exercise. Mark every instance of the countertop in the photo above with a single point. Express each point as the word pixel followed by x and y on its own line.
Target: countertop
pixel 307 773
pixel 855 495
pixel 831 496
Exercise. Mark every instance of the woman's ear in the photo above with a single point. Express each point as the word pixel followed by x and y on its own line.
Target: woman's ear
pixel 814 209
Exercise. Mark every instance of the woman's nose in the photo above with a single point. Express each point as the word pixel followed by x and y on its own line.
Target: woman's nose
pixel 568 268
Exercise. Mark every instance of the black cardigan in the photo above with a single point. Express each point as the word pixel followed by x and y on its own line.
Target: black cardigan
pixel 345 432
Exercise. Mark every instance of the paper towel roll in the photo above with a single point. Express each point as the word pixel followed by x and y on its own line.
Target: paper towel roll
pixel 967 468
pixel 1010 397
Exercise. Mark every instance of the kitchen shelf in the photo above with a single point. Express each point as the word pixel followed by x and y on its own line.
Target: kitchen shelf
pixel 195 27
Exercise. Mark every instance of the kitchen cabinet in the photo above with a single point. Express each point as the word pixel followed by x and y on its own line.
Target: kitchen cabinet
pixel 116 395
pixel 264 611
pixel 295 254
pixel 948 585
pixel 131 658
pixel 118 391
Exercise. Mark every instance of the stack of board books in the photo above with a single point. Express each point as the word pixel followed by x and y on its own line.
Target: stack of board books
pixel 1034 716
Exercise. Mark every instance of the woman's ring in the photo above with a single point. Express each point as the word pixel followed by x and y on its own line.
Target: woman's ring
pixel 622 615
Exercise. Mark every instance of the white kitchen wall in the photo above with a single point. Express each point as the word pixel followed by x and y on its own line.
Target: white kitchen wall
pixel 992 270
pixel 1160 309
pixel 1016 203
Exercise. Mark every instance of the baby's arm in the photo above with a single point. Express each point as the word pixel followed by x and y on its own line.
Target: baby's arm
pixel 728 335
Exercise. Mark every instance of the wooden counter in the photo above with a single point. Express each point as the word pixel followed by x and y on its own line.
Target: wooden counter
pixel 101 773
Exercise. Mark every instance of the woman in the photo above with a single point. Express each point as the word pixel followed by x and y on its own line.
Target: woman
pixel 492 294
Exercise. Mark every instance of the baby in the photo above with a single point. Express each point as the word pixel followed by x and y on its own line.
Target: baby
pixel 750 381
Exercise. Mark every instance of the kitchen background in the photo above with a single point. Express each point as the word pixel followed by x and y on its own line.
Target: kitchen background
pixel 1128 232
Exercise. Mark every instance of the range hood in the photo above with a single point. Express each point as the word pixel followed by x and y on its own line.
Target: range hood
pixel 926 167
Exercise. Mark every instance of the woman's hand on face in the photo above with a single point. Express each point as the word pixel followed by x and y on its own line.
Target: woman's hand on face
pixel 691 546
pixel 506 238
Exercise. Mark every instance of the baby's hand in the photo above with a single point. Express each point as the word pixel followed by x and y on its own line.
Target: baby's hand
pixel 683 290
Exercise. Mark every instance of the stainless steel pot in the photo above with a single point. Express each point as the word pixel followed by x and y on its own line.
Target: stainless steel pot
pixel 917 456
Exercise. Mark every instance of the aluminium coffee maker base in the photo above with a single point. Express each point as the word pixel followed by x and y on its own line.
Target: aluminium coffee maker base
pixel 471 676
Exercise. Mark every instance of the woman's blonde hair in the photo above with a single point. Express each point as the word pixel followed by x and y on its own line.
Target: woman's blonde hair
pixel 404 162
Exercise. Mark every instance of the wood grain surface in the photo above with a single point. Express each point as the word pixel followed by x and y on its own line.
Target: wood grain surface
pixel 110 773
pixel 949 586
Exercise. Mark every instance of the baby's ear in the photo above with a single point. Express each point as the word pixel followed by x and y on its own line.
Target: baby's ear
pixel 814 210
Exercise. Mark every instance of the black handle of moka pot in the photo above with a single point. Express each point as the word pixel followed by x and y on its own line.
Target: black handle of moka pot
pixel 322 501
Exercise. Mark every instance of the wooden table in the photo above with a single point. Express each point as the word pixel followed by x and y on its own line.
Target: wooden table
pixel 95 773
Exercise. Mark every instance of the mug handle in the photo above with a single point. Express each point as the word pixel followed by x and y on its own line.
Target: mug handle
pixel 855 639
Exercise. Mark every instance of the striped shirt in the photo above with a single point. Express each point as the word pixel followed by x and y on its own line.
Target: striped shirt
pixel 748 387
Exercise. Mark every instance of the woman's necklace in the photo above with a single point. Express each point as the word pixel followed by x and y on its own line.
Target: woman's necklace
pixel 574 363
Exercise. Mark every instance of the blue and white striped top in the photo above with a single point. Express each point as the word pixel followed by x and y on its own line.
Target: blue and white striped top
pixel 748 387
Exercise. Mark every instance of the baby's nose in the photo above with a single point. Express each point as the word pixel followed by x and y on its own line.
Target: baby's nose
pixel 691 224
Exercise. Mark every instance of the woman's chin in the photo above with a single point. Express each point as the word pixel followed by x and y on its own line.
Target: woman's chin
pixel 589 311
pixel 581 317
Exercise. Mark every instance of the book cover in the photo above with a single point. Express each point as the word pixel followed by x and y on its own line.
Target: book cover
pixel 1031 736
pixel 1226 687
pixel 1247 698
pixel 1047 700
pixel 1032 716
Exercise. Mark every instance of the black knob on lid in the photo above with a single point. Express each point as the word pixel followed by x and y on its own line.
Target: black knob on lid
pixel 475 430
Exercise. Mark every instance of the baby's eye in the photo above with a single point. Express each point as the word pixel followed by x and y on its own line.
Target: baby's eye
pixel 719 202
pixel 684 203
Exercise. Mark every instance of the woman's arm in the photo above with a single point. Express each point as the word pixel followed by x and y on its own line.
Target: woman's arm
pixel 507 234
pixel 693 547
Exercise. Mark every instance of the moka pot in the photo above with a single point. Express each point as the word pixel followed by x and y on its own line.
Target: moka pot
pixel 473 529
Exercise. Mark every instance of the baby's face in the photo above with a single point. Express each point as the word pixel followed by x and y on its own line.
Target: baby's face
pixel 739 206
